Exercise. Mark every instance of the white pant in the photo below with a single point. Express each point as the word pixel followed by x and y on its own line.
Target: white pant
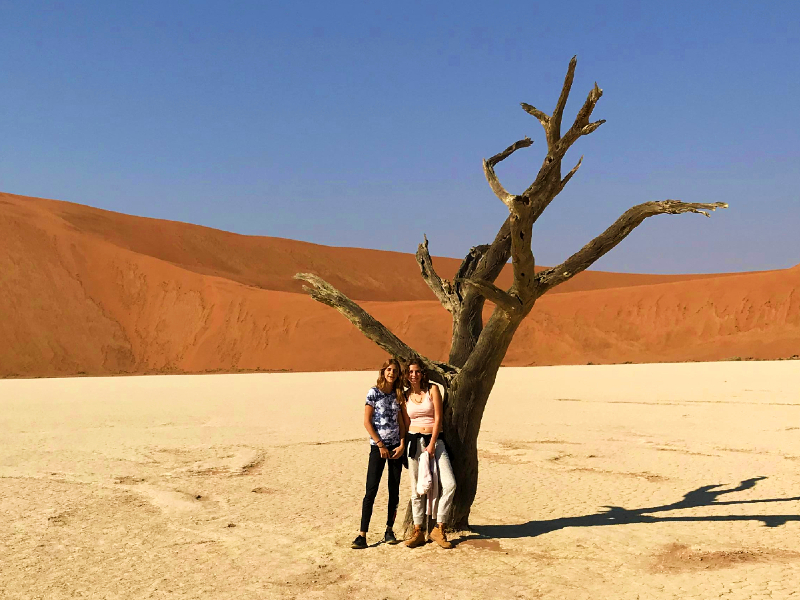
pixel 447 484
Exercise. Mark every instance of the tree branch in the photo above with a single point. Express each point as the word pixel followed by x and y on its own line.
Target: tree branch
pixel 494 294
pixel 554 131
pixel 632 218
pixel 471 262
pixel 496 257
pixel 543 117
pixel 523 143
pixel 323 292
pixel 440 287
pixel 491 176
pixel 522 260
pixel 497 187
pixel 581 126
pixel 485 263
pixel 545 187
pixel 566 179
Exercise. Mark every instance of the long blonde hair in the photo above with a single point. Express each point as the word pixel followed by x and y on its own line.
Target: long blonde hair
pixel 397 386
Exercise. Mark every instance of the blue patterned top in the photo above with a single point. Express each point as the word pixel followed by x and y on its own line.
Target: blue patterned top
pixel 384 417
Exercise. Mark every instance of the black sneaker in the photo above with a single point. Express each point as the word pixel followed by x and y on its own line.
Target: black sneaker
pixel 388 537
pixel 359 543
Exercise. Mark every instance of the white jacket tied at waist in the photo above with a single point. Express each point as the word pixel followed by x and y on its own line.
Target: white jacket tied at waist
pixel 428 481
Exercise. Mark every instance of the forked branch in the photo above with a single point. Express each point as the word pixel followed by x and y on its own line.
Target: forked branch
pixel 537 191
pixel 441 288
pixel 526 208
pixel 632 218
pixel 321 291
pixel 450 295
pixel 471 262
pixel 483 263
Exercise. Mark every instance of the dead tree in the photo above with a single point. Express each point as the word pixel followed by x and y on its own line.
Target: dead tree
pixel 477 349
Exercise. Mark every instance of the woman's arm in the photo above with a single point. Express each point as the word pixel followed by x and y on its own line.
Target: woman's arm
pixel 401 423
pixel 368 411
pixel 436 398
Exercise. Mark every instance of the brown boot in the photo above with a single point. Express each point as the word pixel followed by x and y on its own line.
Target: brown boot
pixel 417 538
pixel 438 536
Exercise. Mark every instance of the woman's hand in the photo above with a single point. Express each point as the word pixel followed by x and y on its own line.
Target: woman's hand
pixel 398 452
pixel 384 451
pixel 431 449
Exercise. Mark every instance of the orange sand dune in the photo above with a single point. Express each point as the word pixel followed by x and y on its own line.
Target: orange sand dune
pixel 89 291
pixel 270 263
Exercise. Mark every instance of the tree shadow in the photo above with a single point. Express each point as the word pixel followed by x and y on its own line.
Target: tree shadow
pixel 616 515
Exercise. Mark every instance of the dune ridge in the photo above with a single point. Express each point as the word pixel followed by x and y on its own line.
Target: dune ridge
pixel 88 291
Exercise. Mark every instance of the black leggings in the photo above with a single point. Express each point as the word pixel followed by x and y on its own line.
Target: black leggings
pixel 374 473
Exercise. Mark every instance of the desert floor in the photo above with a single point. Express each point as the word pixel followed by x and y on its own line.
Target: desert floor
pixel 630 481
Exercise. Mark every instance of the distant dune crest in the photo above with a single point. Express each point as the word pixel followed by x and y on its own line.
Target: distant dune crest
pixel 87 291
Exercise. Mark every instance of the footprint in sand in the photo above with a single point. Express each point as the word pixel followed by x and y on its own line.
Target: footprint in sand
pixel 236 462
pixel 178 500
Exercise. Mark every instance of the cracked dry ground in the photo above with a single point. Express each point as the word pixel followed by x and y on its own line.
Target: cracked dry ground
pixel 630 481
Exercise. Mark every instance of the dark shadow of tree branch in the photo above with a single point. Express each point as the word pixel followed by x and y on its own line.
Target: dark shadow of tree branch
pixel 616 515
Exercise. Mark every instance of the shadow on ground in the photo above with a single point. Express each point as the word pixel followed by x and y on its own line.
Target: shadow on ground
pixel 706 495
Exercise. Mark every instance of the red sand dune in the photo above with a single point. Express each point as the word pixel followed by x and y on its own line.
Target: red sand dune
pixel 87 291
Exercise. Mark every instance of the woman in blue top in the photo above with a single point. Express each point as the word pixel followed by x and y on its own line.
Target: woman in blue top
pixel 383 421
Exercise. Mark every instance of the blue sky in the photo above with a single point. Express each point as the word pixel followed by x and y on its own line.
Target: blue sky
pixel 364 123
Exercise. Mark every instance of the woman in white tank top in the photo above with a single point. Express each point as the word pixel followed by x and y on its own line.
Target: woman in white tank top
pixel 423 419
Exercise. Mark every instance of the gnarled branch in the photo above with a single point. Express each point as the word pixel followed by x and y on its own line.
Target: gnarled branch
pixel 523 143
pixel 496 257
pixel 544 188
pixel 581 126
pixel 468 322
pixel 554 131
pixel 572 172
pixel 450 295
pixel 497 187
pixel 632 218
pixel 471 261
pixel 321 291
pixel 440 287
pixel 526 208
pixel 494 294
pixel 543 117
pixel 522 260
pixel 491 176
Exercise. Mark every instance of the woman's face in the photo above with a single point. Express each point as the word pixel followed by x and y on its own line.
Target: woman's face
pixel 414 374
pixel 390 373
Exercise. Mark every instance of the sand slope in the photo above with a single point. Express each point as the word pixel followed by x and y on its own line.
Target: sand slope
pixel 89 291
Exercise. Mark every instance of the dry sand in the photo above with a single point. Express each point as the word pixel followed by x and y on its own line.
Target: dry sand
pixel 629 481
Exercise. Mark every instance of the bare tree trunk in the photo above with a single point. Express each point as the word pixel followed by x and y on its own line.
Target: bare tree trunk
pixel 467 326
pixel 464 459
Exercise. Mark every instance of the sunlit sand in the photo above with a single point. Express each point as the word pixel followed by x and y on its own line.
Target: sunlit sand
pixel 629 481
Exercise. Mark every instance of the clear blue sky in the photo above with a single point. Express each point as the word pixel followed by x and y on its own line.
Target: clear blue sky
pixel 364 123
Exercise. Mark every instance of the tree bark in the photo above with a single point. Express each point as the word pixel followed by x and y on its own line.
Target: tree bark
pixel 465 403
pixel 465 303
pixel 464 460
